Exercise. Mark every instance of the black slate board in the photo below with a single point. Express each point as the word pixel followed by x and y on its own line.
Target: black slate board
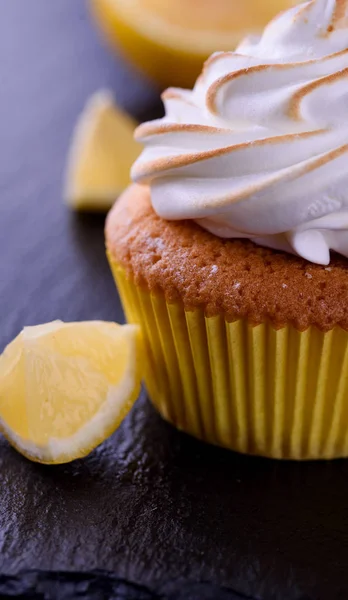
pixel 151 513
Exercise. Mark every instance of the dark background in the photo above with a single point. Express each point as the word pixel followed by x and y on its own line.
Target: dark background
pixel 151 513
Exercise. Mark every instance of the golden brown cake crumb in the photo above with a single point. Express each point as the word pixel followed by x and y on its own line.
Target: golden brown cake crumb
pixel 235 278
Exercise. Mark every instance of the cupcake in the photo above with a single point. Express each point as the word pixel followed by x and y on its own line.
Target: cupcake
pixel 230 250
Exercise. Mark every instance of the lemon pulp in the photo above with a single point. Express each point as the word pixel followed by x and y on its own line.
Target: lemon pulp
pixel 65 387
pixel 101 154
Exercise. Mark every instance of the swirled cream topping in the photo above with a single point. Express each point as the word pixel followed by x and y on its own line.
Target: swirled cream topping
pixel 259 148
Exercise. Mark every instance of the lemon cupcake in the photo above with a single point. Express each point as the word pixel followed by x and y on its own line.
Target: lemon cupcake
pixel 222 253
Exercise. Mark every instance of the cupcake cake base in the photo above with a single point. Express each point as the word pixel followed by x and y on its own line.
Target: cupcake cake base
pixel 246 347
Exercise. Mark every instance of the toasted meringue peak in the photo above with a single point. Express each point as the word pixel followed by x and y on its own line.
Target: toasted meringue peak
pixel 259 148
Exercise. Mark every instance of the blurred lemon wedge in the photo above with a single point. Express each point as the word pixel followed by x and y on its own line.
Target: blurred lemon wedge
pixel 101 154
pixel 169 39
pixel 66 387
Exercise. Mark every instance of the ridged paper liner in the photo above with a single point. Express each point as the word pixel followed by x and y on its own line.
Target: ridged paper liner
pixel 257 390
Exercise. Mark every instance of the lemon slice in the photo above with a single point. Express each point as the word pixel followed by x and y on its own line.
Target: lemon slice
pixel 101 155
pixel 65 387
pixel 170 39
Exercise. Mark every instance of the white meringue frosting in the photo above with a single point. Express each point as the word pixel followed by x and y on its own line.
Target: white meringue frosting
pixel 259 148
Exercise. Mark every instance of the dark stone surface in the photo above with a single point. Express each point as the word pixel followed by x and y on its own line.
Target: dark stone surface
pixel 98 585
pixel 151 513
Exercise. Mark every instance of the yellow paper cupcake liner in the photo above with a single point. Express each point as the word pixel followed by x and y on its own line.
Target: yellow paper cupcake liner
pixel 257 390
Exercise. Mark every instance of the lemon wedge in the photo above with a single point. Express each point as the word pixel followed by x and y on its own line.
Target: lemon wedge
pixel 101 155
pixel 66 387
pixel 170 39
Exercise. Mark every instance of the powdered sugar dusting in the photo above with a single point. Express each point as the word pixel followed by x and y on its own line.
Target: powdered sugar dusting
pixel 156 244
